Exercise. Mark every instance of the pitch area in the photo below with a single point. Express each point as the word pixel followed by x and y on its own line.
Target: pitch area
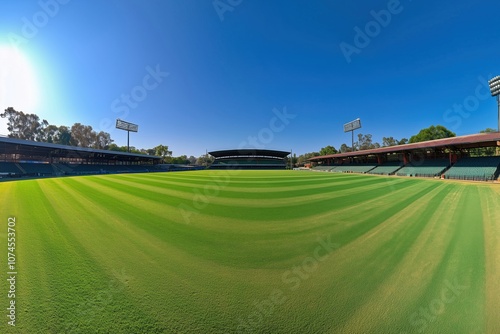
pixel 253 251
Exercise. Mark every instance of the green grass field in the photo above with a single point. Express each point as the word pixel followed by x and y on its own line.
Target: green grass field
pixel 252 251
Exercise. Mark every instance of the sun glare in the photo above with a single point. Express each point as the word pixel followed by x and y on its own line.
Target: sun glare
pixel 18 84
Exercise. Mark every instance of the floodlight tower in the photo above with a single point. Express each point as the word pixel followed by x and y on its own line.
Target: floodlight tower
pixel 122 125
pixel 350 127
pixel 495 91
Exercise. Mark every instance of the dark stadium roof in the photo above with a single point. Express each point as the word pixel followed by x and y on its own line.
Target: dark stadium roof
pixel 249 152
pixel 470 141
pixel 32 148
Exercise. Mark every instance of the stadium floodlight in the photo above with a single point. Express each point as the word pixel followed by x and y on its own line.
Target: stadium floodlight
pixel 495 91
pixel 122 125
pixel 351 126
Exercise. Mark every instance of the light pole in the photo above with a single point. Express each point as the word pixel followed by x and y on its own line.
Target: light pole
pixel 495 91
pixel 351 126
pixel 122 125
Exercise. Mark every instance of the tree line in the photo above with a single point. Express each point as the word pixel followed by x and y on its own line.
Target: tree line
pixel 30 127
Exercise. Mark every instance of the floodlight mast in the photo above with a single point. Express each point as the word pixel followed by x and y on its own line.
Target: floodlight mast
pixel 122 125
pixel 352 139
pixel 495 91
pixel 498 103
pixel 350 127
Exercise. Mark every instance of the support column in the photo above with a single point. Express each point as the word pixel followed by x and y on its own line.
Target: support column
pixel 406 159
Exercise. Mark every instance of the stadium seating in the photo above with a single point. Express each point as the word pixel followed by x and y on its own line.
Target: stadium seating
pixel 62 168
pixel 9 168
pixel 248 163
pixel 59 169
pixel 425 168
pixel 354 168
pixel 477 169
pixel 388 168
pixel 83 169
pixel 323 168
pixel 37 169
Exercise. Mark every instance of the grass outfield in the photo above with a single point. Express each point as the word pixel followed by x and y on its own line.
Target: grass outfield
pixel 252 251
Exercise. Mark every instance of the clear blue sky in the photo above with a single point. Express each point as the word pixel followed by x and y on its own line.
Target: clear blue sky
pixel 220 72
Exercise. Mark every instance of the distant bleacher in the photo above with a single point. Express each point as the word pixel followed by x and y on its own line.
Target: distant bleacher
pixel 248 163
pixel 40 169
pixel 25 158
pixel 354 168
pixel 249 158
pixel 476 169
pixel 323 168
pixel 425 168
pixel 388 168
pixel 83 169
pixel 25 169
pixel 10 168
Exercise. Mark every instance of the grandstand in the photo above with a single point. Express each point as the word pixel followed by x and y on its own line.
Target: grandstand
pixel 24 158
pixel 42 169
pixel 354 168
pixel 425 168
pixel 323 168
pixel 476 169
pixel 448 157
pixel 388 168
pixel 249 159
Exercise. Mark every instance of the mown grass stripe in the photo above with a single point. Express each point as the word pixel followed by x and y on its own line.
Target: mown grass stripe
pixel 229 187
pixel 401 240
pixel 490 205
pixel 141 249
pixel 368 254
pixel 389 247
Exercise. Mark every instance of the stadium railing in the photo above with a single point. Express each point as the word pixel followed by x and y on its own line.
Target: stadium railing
pixel 354 168
pixel 323 168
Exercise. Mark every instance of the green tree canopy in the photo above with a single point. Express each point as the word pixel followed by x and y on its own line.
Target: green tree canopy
pixel 432 133
pixel 484 151
pixel 204 160
pixel 302 159
pixel 391 141
pixel 24 126
pixel 162 151
pixel 403 141
pixel 328 150
pixel 365 142
pixel 344 148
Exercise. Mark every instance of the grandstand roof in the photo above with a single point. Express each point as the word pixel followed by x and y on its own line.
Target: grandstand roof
pixel 470 141
pixel 249 152
pixel 39 149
